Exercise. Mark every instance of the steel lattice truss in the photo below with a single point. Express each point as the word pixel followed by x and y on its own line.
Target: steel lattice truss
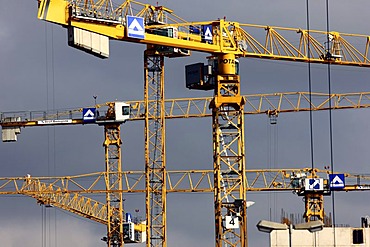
pixel 270 104
pixel 155 149
pixel 113 182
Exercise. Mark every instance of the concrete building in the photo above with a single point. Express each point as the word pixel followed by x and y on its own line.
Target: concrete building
pixel 341 236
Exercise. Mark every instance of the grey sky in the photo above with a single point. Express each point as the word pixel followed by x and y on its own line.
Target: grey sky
pixel 39 71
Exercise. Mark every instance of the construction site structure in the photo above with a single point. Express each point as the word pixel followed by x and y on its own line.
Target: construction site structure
pixel 67 192
pixel 91 24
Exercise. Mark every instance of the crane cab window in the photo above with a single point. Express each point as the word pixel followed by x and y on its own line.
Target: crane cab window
pixel 125 110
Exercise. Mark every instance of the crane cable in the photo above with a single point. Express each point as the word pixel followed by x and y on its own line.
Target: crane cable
pixel 46 215
pixel 43 232
pixel 330 104
pixel 330 117
pixel 272 159
pixel 310 87
pixel 309 81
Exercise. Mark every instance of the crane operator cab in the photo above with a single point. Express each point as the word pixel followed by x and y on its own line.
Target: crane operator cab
pixel 117 112
pixel 203 77
pixel 134 231
pixel 171 32
pixel 122 111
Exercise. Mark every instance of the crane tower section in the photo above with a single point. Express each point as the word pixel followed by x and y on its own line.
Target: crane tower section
pixel 228 156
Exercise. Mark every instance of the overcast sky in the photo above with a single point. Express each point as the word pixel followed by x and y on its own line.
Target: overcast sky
pixel 39 71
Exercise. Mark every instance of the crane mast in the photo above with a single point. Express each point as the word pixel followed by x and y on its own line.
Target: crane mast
pixel 113 182
pixel 155 159
pixel 228 156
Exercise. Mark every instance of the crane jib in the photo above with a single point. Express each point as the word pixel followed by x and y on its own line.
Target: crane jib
pixel 213 37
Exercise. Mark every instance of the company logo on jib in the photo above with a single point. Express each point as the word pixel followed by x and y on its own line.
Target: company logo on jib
pixel 227 61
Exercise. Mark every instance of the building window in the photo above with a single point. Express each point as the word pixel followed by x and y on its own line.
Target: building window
pixel 358 236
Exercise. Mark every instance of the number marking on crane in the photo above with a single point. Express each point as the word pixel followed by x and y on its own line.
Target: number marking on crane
pixel 231 222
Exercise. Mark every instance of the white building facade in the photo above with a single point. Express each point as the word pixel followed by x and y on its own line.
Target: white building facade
pixel 328 237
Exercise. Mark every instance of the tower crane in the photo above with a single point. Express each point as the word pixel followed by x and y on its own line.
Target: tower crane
pixel 165 34
pixel 67 192
pixel 269 104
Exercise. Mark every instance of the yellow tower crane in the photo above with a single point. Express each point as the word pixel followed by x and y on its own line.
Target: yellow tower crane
pixel 66 192
pixel 165 34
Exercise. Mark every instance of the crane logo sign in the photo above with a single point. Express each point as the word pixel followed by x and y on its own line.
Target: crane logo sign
pixel 314 184
pixel 207 36
pixel 336 181
pixel 88 114
pixel 135 27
